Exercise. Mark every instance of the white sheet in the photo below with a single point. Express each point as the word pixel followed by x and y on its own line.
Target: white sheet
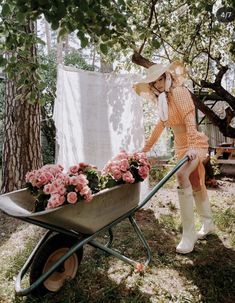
pixel 96 115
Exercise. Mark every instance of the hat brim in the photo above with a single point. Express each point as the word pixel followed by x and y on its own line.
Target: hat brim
pixel 143 85
pixel 152 78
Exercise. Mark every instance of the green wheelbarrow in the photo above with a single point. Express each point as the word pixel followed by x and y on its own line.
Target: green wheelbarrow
pixel 58 254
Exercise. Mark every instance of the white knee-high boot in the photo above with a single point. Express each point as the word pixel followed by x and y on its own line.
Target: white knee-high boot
pixel 204 210
pixel 189 238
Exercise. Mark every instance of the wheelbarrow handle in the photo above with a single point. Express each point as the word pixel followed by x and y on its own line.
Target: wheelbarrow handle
pixel 161 183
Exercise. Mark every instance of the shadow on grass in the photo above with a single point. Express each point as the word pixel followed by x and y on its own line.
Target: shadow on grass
pixel 8 226
pixel 211 267
pixel 212 270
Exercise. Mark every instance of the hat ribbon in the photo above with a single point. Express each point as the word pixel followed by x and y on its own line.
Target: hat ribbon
pixel 163 106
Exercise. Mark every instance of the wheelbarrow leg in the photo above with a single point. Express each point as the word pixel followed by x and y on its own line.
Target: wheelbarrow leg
pixel 116 254
pixel 142 239
pixel 109 244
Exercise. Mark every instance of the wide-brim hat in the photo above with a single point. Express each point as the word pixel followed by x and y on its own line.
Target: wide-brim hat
pixel 176 68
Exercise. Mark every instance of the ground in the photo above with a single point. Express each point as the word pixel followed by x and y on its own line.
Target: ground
pixel 205 275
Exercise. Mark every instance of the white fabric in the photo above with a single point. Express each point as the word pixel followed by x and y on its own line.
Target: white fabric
pixel 168 82
pixel 163 106
pixel 96 115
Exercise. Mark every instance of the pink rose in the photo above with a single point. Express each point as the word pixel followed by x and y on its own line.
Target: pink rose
pixel 82 179
pixel 85 191
pixel 41 180
pixel 83 165
pixel 61 190
pixel 74 169
pixel 88 197
pixel 128 177
pixel 143 172
pixel 117 174
pixel 72 197
pixel 122 155
pixel 55 201
pixel 73 180
pixel 124 165
pixel 47 189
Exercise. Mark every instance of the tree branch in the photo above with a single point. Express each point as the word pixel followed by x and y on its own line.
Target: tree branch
pixel 223 124
pixel 139 60
pixel 149 24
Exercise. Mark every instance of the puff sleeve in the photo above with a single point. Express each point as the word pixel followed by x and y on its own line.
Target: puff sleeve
pixel 186 109
pixel 156 133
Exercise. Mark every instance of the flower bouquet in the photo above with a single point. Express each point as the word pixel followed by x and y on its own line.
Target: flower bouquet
pixel 126 168
pixel 52 187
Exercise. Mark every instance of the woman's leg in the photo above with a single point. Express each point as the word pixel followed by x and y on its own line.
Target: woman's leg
pixel 202 202
pixel 186 203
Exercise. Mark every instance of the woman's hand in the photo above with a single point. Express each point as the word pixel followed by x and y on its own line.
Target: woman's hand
pixel 191 153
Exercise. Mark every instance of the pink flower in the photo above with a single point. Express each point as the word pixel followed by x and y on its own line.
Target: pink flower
pixel 74 169
pixel 55 201
pixel 83 165
pixel 128 177
pixel 73 180
pixel 48 189
pixel 124 165
pixel 72 197
pixel 122 155
pixel 49 176
pixel 88 197
pixel 41 180
pixel 85 191
pixel 139 267
pixel 61 190
pixel 117 174
pixel 143 172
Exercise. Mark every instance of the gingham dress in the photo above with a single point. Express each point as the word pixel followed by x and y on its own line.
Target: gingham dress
pixel 181 112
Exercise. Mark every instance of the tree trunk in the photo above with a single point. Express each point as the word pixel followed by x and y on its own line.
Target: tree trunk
pixel 105 67
pixel 21 146
pixel 22 142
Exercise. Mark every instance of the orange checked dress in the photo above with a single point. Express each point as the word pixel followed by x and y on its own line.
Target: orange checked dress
pixel 181 118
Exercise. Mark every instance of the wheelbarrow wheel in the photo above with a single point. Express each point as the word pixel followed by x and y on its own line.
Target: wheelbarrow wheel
pixel 52 250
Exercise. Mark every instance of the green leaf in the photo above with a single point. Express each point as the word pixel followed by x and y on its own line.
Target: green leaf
pixel 156 44
pixel 62 32
pixel 3 61
pixel 83 5
pixel 103 48
pixel 6 11
pixel 84 42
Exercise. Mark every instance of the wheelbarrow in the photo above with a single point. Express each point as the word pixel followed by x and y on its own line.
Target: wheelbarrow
pixel 57 256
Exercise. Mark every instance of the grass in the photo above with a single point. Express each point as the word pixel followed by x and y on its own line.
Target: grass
pixel 205 275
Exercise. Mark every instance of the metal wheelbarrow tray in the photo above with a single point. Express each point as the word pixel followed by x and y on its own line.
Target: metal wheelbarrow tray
pixel 58 254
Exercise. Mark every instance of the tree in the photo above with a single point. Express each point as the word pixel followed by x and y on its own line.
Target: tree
pixel 22 141
pixel 21 147
pixel 165 29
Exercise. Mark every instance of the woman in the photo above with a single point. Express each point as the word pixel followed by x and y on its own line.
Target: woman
pixel 176 110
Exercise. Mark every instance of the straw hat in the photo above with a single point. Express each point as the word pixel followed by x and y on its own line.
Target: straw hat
pixel 176 69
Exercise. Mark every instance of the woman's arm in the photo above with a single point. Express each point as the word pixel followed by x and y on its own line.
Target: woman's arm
pixel 159 127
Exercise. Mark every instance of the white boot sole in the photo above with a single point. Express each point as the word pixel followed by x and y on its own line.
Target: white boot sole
pixel 200 237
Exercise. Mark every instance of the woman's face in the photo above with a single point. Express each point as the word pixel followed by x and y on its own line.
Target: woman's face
pixel 159 84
